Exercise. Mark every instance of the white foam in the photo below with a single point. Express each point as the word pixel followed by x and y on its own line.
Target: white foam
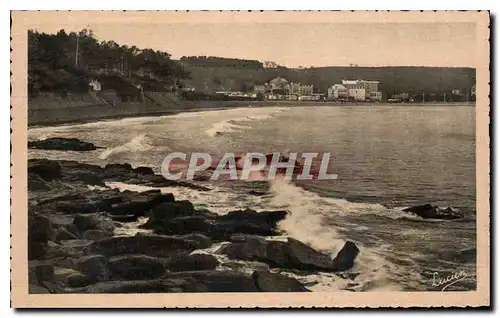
pixel 137 144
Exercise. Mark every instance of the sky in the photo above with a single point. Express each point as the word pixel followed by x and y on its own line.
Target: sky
pixel 291 44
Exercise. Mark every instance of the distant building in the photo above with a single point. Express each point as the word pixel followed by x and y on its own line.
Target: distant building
pixel 259 89
pixel 337 91
pixel 299 89
pixel 362 90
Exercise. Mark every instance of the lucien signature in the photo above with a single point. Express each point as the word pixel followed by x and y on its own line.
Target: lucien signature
pixel 447 281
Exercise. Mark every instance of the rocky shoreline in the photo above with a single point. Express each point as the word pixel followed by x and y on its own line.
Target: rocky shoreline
pixel 73 245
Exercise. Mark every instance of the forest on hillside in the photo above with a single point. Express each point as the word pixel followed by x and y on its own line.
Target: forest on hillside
pixel 65 61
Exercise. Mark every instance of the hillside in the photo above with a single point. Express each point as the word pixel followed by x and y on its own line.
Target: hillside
pixel 413 80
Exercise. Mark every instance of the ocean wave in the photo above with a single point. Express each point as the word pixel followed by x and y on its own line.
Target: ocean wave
pixel 233 124
pixel 137 144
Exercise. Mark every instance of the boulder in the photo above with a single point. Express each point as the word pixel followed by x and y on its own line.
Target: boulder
pixel 144 170
pixel 58 143
pixel 39 233
pixel 95 235
pixel 345 257
pixel 40 272
pixel 151 245
pixel 219 281
pixel 290 254
pixel 201 239
pixel 55 250
pixel 124 218
pixel 94 266
pixel 35 183
pixel 140 286
pixel 139 204
pixel 164 213
pixel 191 262
pixel 66 233
pixel 136 267
pixel 96 221
pixel 35 289
pixel 306 258
pixel 277 283
pixel 44 168
pixel 429 211
pixel 71 278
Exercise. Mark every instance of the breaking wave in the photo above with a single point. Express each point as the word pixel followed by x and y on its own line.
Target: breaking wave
pixel 137 144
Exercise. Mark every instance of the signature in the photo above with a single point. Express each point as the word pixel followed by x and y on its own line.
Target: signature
pixel 445 282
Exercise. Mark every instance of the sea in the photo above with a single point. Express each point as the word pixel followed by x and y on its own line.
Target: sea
pixel 387 157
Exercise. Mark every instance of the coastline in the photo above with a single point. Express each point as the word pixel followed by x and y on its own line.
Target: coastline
pixel 104 112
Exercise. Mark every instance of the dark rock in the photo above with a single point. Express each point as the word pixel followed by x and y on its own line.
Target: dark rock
pixel 144 170
pixel 65 233
pixel 345 257
pixel 272 282
pixel 40 272
pixel 201 239
pixel 151 245
pixel 54 250
pixel 136 267
pixel 76 280
pixel 257 193
pixel 39 233
pixel 35 289
pixel 191 262
pixel 95 235
pixel 428 211
pixel 94 266
pixel 305 257
pixel 96 221
pixel 141 286
pixel 46 169
pixel 35 183
pixel 247 247
pixel 77 206
pixel 59 143
pixel 124 218
pixel 139 204
pixel 163 214
pixel 291 254
pixel 220 281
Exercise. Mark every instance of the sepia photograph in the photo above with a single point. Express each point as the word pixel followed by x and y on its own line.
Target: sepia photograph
pixel 186 159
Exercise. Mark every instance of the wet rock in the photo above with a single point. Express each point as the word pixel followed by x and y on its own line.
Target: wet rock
pixel 136 267
pixel 273 282
pixel 95 235
pixel 96 221
pixel 141 286
pixel 219 281
pixel 94 266
pixel 162 215
pixel 151 245
pixel 217 227
pixel 305 257
pixel 58 143
pixel 55 250
pixel 257 193
pixel 139 204
pixel 428 211
pixel 144 170
pixel 290 254
pixel 75 207
pixel 65 233
pixel 35 289
pixel 46 169
pixel 40 272
pixel 39 233
pixel 201 239
pixel 191 262
pixel 35 183
pixel 124 218
pixel 77 279
pixel 246 247
pixel 345 257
